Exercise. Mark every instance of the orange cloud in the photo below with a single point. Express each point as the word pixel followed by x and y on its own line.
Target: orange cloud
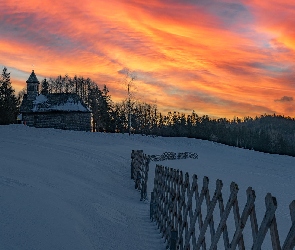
pixel 221 58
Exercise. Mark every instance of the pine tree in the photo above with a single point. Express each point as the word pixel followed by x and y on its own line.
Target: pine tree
pixel 8 101
pixel 106 108
pixel 44 87
pixel 95 97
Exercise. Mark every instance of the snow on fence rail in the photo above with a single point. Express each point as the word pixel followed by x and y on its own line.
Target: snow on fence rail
pixel 181 221
pixel 173 156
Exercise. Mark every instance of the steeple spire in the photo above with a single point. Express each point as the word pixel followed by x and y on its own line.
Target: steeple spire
pixel 32 86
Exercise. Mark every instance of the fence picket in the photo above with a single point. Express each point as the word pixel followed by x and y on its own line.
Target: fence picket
pixel 224 228
pixel 245 214
pixel 271 206
pixel 290 240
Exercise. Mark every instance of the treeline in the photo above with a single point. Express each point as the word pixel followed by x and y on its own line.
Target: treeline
pixel 266 133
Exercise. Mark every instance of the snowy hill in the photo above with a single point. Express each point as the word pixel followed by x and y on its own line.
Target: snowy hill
pixel 72 190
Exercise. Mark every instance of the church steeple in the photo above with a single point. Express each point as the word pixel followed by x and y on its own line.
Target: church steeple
pixel 32 86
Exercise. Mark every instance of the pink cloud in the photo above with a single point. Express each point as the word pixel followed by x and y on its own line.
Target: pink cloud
pixel 240 54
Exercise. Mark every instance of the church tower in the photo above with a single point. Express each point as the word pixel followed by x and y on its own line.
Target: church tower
pixel 32 86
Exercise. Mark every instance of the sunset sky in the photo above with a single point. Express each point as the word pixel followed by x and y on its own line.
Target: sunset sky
pixel 222 58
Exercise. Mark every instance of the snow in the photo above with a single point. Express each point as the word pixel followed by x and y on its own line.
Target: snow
pixel 70 105
pixel 42 104
pixel 40 99
pixel 72 190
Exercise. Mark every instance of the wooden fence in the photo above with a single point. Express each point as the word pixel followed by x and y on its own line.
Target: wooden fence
pixel 140 166
pixel 139 171
pixel 176 206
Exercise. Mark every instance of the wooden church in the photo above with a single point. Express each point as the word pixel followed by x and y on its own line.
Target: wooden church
pixel 59 110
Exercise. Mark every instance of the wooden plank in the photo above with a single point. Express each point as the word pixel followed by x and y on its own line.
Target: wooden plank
pixel 191 228
pixel 290 239
pixel 245 214
pixel 254 224
pixel 271 206
pixel 197 213
pixel 185 190
pixel 225 232
pixel 211 222
pixel 275 240
pixel 233 196
pixel 237 218
pixel 209 216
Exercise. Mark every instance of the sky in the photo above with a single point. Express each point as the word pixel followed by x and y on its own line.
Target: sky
pixel 222 58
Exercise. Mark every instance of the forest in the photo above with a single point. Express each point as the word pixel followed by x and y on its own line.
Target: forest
pixel 269 133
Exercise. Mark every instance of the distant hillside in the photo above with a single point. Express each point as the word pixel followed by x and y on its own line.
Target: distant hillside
pixel 267 133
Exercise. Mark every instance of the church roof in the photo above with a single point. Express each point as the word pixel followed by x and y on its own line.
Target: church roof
pixel 58 102
pixel 33 78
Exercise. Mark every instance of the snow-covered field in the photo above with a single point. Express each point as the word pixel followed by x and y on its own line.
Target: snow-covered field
pixel 72 190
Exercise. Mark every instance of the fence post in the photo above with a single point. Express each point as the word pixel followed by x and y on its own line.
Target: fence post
pixel 271 206
pixel 173 239
pixel 137 181
pixel 132 164
pixel 152 206
pixel 145 170
pixel 143 193
pixel 290 240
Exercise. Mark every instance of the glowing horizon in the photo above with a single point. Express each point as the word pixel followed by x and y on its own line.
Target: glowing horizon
pixel 220 58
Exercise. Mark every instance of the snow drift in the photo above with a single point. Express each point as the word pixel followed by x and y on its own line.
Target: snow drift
pixel 72 190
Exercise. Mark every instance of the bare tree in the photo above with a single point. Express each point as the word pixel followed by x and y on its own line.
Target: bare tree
pixel 129 79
